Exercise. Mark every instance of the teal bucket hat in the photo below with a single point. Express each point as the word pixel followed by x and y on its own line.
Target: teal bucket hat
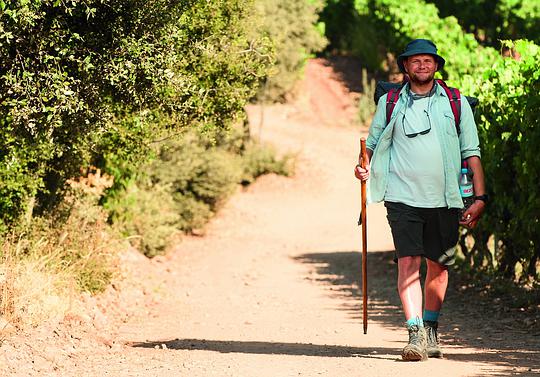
pixel 417 47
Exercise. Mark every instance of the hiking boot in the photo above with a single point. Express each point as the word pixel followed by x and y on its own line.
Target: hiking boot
pixel 433 347
pixel 416 349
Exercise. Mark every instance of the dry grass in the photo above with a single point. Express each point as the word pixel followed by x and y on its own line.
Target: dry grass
pixel 30 292
pixel 366 105
pixel 47 263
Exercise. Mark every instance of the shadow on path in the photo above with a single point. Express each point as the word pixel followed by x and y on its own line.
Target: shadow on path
pixel 465 321
pixel 514 349
pixel 273 348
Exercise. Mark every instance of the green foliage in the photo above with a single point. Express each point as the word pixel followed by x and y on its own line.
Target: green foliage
pixel 185 185
pixel 177 192
pixel 370 29
pixel 492 21
pixel 507 239
pixel 72 71
pixel 73 242
pixel 351 30
pixel 148 217
pixel 400 21
pixel 260 159
pixel 510 135
pixel 108 83
pixel 208 175
pixel 507 89
pixel 366 105
pixel 293 29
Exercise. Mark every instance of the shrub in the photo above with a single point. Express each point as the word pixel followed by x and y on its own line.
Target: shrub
pixel 366 105
pixel 260 159
pixel 48 260
pixel 148 217
pixel 351 31
pixel 293 29
pixel 177 192
pixel 506 240
pixel 72 71
pixel 186 184
pixel 510 135
pixel 493 21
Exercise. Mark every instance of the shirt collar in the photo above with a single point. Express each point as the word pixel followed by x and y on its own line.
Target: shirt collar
pixel 439 91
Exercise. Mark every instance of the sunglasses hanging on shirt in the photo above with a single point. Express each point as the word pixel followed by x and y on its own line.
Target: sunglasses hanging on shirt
pixel 412 97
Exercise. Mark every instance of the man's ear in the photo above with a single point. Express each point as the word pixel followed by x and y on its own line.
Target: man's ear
pixel 405 63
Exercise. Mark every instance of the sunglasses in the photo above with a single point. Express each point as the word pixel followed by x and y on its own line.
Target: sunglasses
pixel 415 134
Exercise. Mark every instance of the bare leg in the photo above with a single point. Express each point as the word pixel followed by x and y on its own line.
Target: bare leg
pixel 435 285
pixel 434 292
pixel 409 288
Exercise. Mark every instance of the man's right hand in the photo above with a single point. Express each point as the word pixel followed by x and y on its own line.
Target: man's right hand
pixel 361 173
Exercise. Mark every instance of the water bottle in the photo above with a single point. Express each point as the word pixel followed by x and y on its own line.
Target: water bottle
pixel 466 187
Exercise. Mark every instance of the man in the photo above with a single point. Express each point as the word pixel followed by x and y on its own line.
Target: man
pixel 414 165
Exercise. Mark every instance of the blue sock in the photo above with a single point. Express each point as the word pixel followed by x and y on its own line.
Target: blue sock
pixel 415 321
pixel 430 315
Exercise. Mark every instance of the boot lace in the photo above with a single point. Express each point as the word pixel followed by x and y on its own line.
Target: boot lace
pixel 414 334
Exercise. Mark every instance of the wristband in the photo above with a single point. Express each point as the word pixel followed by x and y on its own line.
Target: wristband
pixel 483 198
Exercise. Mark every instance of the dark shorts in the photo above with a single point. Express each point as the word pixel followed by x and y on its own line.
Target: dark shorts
pixel 429 232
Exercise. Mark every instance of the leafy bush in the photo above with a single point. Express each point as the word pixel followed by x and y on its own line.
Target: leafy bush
pixel 185 185
pixel 492 21
pixel 74 241
pixel 366 105
pixel 260 159
pixel 400 21
pixel 190 169
pixel 351 30
pixel 177 192
pixel 148 217
pixel 293 29
pixel 72 71
pixel 507 239
pixel 510 135
pixel 507 90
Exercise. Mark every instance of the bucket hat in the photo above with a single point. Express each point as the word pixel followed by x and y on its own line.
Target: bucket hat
pixel 417 47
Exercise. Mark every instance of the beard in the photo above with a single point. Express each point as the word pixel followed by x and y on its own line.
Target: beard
pixel 421 81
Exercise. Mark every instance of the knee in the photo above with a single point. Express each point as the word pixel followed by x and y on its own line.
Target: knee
pixel 408 271
pixel 409 265
pixel 441 277
pixel 437 272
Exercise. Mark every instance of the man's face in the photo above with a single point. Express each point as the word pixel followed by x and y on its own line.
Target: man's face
pixel 421 68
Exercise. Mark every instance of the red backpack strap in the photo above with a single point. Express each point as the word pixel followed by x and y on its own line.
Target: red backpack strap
pixel 391 100
pixel 454 96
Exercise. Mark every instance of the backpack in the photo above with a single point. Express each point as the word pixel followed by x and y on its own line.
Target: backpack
pixel 393 90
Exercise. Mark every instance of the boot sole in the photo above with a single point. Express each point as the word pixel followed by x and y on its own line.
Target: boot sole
pixel 435 354
pixel 412 355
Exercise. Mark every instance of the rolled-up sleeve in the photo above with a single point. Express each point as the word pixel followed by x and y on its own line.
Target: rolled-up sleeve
pixel 468 139
pixel 377 124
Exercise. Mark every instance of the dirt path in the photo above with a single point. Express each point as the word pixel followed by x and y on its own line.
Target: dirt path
pixel 272 288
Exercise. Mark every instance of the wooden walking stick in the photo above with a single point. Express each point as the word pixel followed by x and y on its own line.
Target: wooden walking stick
pixel 363 219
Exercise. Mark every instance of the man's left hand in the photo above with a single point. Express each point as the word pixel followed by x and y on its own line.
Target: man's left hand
pixel 471 216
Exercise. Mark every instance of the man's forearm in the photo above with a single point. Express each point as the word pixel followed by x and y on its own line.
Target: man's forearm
pixel 475 164
pixel 369 153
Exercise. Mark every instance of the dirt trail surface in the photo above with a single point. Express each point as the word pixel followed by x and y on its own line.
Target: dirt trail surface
pixel 272 288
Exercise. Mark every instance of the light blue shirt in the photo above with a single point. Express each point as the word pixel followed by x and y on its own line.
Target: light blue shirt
pixel 405 169
pixel 416 173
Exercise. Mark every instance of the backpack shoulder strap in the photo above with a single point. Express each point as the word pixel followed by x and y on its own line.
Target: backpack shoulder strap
pixel 391 100
pixel 454 96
